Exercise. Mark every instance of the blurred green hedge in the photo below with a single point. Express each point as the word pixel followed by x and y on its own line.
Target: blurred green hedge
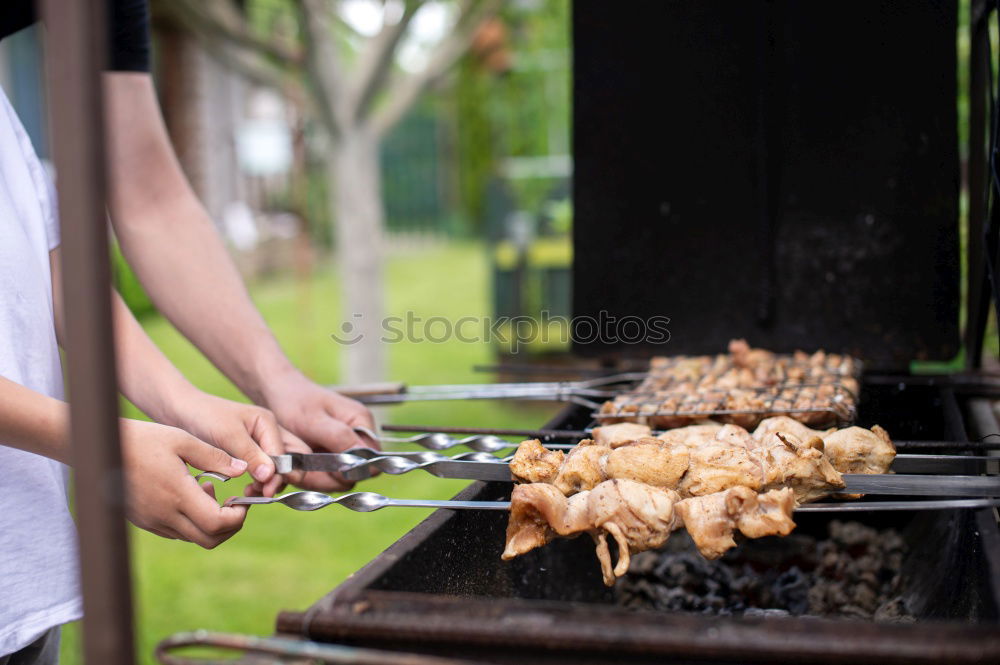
pixel 128 285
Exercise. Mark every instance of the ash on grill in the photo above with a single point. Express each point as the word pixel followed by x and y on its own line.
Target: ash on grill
pixel 854 572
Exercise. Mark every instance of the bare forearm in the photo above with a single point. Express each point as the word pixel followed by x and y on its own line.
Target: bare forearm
pixel 32 421
pixel 145 376
pixel 171 243
pixel 206 299
pixel 168 238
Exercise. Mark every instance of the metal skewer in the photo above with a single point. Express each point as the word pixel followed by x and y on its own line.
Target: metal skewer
pixel 484 443
pixel 361 463
pixel 483 466
pixel 366 502
pixel 487 439
pixel 499 470
pixel 578 392
pixel 362 502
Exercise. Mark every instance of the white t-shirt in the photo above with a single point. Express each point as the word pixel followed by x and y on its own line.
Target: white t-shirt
pixel 38 561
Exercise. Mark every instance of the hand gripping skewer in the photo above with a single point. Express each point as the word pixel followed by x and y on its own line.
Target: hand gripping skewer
pixel 481 466
pixel 361 463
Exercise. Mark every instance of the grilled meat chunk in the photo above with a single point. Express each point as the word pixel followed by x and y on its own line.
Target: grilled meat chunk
pixel 713 519
pixel 788 426
pixel 534 463
pixel 582 469
pixel 537 515
pixel 719 465
pixel 850 450
pixel 800 465
pixel 639 517
pixel 692 435
pixel 649 461
pixel 615 435
pixel 858 450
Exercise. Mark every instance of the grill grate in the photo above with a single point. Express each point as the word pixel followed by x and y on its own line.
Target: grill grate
pixel 742 389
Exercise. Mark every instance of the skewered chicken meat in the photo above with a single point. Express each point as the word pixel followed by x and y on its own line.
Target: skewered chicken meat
pixel 850 450
pixel 713 479
pixel 731 458
pixel 858 450
pixel 639 517
pixel 616 434
pixel 712 520
pixel 692 435
pixel 534 463
pixel 788 426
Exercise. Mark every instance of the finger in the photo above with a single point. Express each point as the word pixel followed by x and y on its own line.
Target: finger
pixel 243 442
pixel 215 522
pixel 206 457
pixel 369 441
pixel 354 412
pixel 325 482
pixel 366 418
pixel 189 530
pixel 274 485
pixel 335 435
pixel 164 532
pixel 268 439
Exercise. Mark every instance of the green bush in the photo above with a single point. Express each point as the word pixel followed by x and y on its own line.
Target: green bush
pixel 128 285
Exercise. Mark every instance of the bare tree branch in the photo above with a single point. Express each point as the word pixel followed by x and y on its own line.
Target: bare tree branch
pixel 323 63
pixel 375 62
pixel 403 93
pixel 254 68
pixel 222 19
pixel 248 63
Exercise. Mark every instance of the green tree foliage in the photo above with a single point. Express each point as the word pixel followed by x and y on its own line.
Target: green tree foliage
pixel 521 112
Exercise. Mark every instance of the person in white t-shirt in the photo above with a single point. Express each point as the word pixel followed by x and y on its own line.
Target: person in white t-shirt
pixel 172 245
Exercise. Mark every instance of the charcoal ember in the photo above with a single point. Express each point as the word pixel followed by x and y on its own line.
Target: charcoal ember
pixel 850 533
pixel 893 609
pixel 853 572
pixel 791 591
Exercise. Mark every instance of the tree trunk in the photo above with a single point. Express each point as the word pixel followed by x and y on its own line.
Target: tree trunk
pixel 357 203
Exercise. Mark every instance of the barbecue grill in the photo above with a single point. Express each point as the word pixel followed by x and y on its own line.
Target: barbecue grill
pixel 442 589
pixel 777 170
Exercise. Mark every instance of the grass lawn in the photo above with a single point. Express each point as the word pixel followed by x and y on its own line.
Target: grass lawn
pixel 283 559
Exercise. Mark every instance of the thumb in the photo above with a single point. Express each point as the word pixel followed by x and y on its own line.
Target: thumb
pixel 244 445
pixel 206 457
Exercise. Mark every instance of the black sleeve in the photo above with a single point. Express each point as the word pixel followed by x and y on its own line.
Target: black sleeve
pixel 16 15
pixel 128 35
pixel 128 30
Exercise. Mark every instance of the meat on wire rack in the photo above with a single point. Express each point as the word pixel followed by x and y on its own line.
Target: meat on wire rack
pixel 741 387
pixel 812 404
